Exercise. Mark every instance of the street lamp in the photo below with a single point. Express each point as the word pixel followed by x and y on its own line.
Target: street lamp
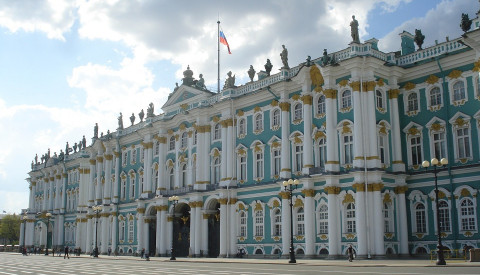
pixel 48 215
pixel 435 163
pixel 289 186
pixel 97 210
pixel 174 200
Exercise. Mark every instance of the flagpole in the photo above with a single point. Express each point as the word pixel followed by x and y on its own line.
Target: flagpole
pixel 218 48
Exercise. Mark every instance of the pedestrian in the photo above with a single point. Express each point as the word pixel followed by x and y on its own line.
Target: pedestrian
pixel 109 251
pixel 115 253
pixel 350 253
pixel 53 252
pixel 65 254
pixel 142 253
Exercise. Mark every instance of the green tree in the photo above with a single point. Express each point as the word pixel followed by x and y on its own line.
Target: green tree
pixel 10 229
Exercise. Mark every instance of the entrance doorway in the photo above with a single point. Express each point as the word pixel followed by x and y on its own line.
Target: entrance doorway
pixel 181 230
pixel 214 231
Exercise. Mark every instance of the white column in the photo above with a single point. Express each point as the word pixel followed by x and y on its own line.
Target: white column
pixel 91 183
pixel 360 222
pixel 60 232
pixel 206 155
pixel 332 163
pixel 57 204
pixel 201 151
pixel 31 197
pixel 29 234
pixel 98 188
pixel 177 167
pixel 198 231
pixel 233 227
pixel 371 121
pixel 223 227
pixel 158 232
pixel 162 153
pixel 358 131
pixel 147 174
pixel 169 235
pixel 224 160
pixel 402 219
pixel 107 187
pixel 193 228
pixel 114 226
pixel 397 162
pixel 378 220
pixel 118 163
pixel 190 159
pixel 286 170
pixel 104 233
pixel 50 197
pixel 307 129
pixel 21 242
pixel 310 237
pixel 205 233
pixel 334 230
pixel 164 232
pixel 230 150
pixel 140 225
pixel 90 235
pixel 146 236
pixel 285 223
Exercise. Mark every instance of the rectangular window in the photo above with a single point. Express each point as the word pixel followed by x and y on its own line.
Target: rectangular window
pixel 131 231
pixel 298 158
pixel 439 145
pixel 463 143
pixel 348 149
pixel 381 148
pixel 259 165
pixel 416 150
pixel 276 162
pixel 243 168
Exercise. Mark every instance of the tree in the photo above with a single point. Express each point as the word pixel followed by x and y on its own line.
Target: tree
pixel 10 229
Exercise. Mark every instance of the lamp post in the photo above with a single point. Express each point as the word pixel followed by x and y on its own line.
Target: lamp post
pixel 97 210
pixel 48 215
pixel 435 163
pixel 174 200
pixel 289 186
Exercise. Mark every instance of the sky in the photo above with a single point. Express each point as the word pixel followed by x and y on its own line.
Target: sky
pixel 66 65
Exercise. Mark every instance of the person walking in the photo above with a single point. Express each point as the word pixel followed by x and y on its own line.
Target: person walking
pixel 65 254
pixel 109 251
pixel 350 253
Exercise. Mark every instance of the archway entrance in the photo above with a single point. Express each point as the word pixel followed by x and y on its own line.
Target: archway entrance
pixel 181 230
pixel 214 230
pixel 152 231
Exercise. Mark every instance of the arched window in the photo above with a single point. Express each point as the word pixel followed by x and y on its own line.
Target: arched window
pixel 131 231
pixel 348 149
pixel 379 97
pixel 277 219
pixel 216 170
pixel 467 215
pixel 458 91
pixel 121 231
pixel 298 112
pixel 155 179
pixel 259 122
pixel 171 143
pixel 241 127
pixel 420 221
pixel 134 156
pixel 412 102
pixel 276 154
pixel 132 186
pixel 346 99
pixel 387 215
pixel 300 222
pixel 217 134
pixel 323 219
pixel 258 164
pixel 184 140
pixel 276 118
pixel 444 214
pixel 322 152
pixel 243 168
pixel 350 218
pixel 321 105
pixel 184 175
pixel 123 189
pixel 435 97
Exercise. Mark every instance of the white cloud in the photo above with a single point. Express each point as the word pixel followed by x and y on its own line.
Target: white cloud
pixel 53 17
pixel 441 21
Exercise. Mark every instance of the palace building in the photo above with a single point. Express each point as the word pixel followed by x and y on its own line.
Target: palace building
pixel 353 127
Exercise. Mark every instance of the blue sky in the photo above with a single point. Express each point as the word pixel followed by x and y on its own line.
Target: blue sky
pixel 65 65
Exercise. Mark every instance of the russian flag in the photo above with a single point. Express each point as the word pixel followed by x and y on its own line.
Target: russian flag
pixel 223 40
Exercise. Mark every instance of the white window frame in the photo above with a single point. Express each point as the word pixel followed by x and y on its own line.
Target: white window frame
pixel 409 134
pixel 349 227
pixel 380 101
pixel 435 107
pixel 276 164
pixel 276 222
pixel 258 123
pixel 435 132
pixel 346 101
pixel 466 128
pixel 320 106
pixel 453 91
pixel 243 222
pixel 420 216
pixel 388 218
pixel 171 143
pixel 242 164
pixel 297 112
pixel 183 171
pixel 465 215
pixel 184 140
pixel 217 131
pixel 299 221
pixel 407 103
pixel 131 231
pixel 216 170
pixel 259 223
pixel 258 153
pixel 321 152
pixel 171 178
pixel 124 158
pixel 242 127
pixel 322 218
pixel 131 185
pixel 133 160
pixel 275 121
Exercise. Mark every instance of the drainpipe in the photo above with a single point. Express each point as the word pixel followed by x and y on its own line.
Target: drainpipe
pixel 454 223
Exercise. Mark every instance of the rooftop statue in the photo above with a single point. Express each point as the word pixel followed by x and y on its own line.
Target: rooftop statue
pixel 201 82
pixel 284 57
pixel 75 147
pixel 187 77
pixel 55 154
pixel 80 145
pixel 268 67
pixel 67 149
pixel 36 158
pixel 354 30
pixel 141 115
pixel 251 73
pixel 308 63
pixel 466 23
pixel 95 131
pixel 120 121
pixel 48 153
pixel 84 142
pixel 61 156
pixel 325 58
pixel 176 86
pixel 109 136
pixel 132 118
pixel 419 37
pixel 150 110
pixel 230 81
pixel 32 165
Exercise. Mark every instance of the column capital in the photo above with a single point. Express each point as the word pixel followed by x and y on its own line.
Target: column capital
pixel 401 189
pixel 393 93
pixel 307 99
pixel 308 192
pixel 284 106
pixel 359 187
pixel 330 93
pixel 222 201
pixel 332 190
pixel 375 187
pixel 284 195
